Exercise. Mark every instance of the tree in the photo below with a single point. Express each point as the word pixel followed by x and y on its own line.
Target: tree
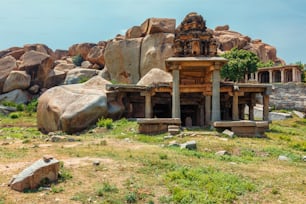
pixel 260 64
pixel 240 63
pixel 303 68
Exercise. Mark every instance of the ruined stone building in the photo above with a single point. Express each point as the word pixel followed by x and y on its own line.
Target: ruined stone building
pixel 279 74
pixel 196 96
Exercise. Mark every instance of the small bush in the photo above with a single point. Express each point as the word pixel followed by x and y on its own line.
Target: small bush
pixel 64 174
pixel 163 156
pixel 32 106
pixel 107 123
pixel 131 197
pixel 20 107
pixel 9 103
pixel 107 187
pixel 14 115
pixel 55 189
pixel 83 79
pixel 77 60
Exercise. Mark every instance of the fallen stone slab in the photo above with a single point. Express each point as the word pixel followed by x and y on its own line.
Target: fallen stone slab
pixel 191 145
pixel 31 177
pixel 283 158
pixel 228 133
pixel 5 110
pixel 222 153
pixel 299 114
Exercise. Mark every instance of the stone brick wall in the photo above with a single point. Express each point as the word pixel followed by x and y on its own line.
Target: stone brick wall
pixel 289 96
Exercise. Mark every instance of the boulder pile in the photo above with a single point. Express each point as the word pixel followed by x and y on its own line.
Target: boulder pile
pixel 66 103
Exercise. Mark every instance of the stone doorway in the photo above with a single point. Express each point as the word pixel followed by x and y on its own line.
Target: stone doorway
pixel 162 111
pixel 189 115
pixel 264 77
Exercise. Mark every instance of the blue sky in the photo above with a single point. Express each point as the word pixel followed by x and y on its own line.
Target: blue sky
pixel 61 23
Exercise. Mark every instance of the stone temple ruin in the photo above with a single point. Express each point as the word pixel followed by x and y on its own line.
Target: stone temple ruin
pixel 196 96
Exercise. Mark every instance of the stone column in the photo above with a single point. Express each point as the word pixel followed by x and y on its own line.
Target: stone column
pixel 270 76
pixel 294 74
pixel 207 110
pixel 148 108
pixel 176 107
pixel 241 111
pixel 235 108
pixel 201 108
pixel 265 107
pixel 251 106
pixel 148 104
pixel 282 75
pixel 256 76
pixel 216 114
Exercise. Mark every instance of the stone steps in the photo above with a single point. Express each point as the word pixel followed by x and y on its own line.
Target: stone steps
pixel 173 129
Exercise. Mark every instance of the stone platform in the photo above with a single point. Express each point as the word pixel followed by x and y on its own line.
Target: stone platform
pixel 152 126
pixel 244 128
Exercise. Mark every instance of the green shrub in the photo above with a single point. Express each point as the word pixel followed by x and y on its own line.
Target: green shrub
pixel 32 106
pixel 107 188
pixel 14 115
pixel 105 122
pixel 83 79
pixel 64 174
pixel 20 107
pixel 77 60
pixel 9 103
pixel 55 189
pixel 131 197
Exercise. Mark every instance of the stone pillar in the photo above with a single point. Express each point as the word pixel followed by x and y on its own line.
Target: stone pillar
pixel 148 107
pixel 251 106
pixel 216 114
pixel 294 74
pixel 241 111
pixel 256 76
pixel 148 104
pixel 235 108
pixel 270 76
pixel 176 107
pixel 282 75
pixel 207 110
pixel 265 107
pixel 201 108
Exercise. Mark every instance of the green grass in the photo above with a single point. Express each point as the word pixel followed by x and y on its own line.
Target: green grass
pixel 206 185
pixel 144 169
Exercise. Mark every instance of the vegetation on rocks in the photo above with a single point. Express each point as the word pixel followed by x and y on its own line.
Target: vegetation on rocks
pixel 77 60
pixel 119 165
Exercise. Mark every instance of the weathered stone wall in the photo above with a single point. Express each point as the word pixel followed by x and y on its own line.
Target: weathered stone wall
pixel 289 96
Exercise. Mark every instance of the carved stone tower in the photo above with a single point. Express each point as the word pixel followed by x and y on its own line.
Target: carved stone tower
pixel 193 39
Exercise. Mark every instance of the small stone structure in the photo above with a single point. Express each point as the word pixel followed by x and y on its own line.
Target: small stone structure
pixel 245 127
pixel 278 74
pixel 156 125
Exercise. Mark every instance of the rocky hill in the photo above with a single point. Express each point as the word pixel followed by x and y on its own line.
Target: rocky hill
pixel 27 72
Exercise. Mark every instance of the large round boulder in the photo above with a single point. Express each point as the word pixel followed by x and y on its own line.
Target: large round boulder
pixel 155 76
pixel 37 65
pixel 7 64
pixel 17 80
pixel 79 75
pixel 72 108
pixel 155 49
pixel 122 60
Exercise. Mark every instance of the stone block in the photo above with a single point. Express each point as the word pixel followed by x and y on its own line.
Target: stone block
pixel 31 177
